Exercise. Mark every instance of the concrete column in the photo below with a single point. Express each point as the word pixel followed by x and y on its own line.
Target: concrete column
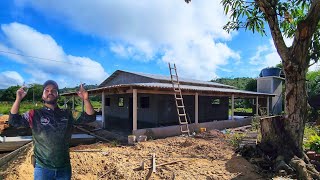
pixel 103 106
pixel 232 107
pixel 257 106
pixel 65 103
pixel 135 110
pixel 196 110
pixel 268 104
pixel 73 102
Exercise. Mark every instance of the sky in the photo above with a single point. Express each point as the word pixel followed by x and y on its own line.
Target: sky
pixel 85 41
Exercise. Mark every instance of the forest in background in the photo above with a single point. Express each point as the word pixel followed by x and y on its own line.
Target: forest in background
pixel 33 98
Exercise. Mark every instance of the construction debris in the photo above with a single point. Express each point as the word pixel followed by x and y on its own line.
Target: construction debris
pixel 178 157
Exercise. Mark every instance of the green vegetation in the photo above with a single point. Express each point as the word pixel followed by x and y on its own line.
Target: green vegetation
pixel 311 140
pixel 313 83
pixel 33 98
pixel 234 138
pixel 24 107
pixel 243 83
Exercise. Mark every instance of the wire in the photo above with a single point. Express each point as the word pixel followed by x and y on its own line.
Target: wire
pixel 46 59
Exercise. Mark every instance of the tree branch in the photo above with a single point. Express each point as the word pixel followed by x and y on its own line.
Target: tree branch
pixel 305 30
pixel 269 9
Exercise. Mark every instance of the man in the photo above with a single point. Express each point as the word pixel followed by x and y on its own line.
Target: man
pixel 51 130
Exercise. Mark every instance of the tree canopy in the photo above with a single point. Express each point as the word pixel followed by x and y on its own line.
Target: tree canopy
pixel 284 17
pixel 243 83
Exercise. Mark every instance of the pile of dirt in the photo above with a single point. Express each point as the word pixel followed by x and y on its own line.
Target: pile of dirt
pixel 185 158
pixel 3 122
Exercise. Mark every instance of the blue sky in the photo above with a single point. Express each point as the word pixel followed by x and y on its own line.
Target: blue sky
pixel 86 41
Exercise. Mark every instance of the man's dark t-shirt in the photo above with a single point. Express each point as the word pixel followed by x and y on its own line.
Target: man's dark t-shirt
pixel 51 131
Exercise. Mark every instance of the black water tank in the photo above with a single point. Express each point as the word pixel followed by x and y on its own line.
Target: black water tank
pixel 274 71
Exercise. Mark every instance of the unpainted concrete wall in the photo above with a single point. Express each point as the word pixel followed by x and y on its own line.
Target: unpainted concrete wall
pixel 209 111
pixel 162 132
pixel 272 85
pixel 162 110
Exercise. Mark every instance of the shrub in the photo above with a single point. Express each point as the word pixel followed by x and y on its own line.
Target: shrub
pixel 311 140
pixel 234 138
pixel 313 143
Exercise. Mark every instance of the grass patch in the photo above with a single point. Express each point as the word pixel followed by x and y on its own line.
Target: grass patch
pixel 25 106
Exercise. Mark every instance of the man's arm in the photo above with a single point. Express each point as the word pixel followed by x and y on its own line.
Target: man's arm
pixel 15 119
pixel 88 107
pixel 89 115
pixel 16 105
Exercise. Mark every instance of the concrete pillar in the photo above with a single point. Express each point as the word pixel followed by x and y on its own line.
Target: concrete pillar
pixel 196 110
pixel 135 110
pixel 257 106
pixel 73 102
pixel 272 85
pixel 65 103
pixel 268 102
pixel 232 107
pixel 103 106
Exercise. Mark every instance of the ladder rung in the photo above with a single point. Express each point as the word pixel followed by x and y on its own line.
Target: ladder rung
pixel 183 123
pixel 187 131
pixel 180 106
pixel 178 98
pixel 182 114
pixel 177 90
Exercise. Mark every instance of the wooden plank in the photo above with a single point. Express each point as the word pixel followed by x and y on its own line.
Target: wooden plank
pixel 167 163
pixel 98 137
pixel 153 162
pixel 5 159
pixel 11 146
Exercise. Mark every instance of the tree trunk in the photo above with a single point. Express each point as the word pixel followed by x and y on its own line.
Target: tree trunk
pixel 275 138
pixel 288 132
pixel 296 103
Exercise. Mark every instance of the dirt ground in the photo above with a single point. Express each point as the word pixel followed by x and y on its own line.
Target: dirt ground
pixel 3 120
pixel 205 156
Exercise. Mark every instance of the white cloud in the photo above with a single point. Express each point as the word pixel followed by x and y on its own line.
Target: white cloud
pixel 189 34
pixel 12 53
pixel 10 78
pixel 267 55
pixel 54 62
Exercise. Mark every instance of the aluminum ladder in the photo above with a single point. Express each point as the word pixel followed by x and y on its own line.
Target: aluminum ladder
pixel 184 126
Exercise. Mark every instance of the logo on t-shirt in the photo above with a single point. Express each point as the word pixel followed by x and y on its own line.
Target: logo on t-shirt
pixel 44 120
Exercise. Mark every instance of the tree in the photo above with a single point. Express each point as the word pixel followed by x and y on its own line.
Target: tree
pixel 297 19
pixel 9 94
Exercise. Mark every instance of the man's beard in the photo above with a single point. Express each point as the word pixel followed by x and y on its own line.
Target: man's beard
pixel 52 102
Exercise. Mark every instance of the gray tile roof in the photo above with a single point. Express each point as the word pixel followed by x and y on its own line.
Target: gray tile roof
pixel 168 79
pixel 226 91
pixel 197 88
